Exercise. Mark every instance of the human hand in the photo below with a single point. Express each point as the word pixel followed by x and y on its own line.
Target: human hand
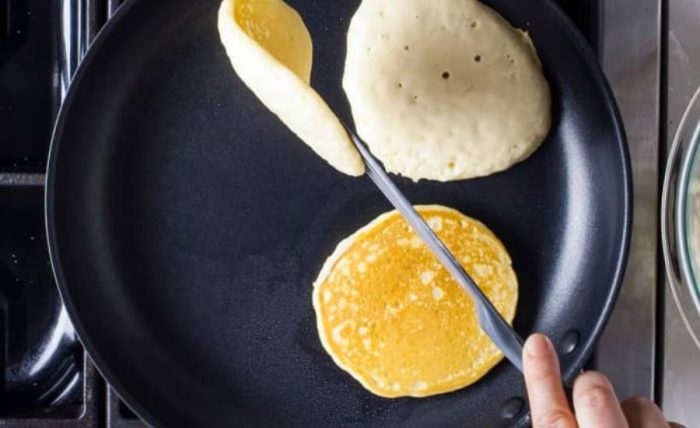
pixel 594 401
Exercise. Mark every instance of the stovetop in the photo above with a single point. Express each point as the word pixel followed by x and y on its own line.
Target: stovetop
pixel 48 379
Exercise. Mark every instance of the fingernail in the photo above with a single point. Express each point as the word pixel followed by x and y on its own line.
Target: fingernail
pixel 538 345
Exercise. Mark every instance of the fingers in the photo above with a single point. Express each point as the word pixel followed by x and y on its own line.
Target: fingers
pixel 595 402
pixel 544 388
pixel 643 413
pixel 594 397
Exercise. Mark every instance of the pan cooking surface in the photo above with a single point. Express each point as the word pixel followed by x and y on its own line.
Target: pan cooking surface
pixel 187 224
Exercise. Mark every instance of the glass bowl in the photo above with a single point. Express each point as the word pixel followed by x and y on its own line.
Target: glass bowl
pixel 680 218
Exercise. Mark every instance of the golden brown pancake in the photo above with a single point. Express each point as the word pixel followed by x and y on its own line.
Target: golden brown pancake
pixel 390 315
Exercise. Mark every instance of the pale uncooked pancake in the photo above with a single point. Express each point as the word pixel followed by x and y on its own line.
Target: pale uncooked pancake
pixel 270 49
pixel 444 90
pixel 390 315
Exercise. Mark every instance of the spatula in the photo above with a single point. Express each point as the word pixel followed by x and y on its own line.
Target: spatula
pixel 491 322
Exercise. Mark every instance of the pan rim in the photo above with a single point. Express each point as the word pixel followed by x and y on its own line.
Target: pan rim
pixel 54 257
pixel 585 52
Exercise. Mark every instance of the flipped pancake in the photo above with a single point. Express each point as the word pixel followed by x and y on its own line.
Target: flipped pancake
pixel 391 316
pixel 444 90
pixel 271 51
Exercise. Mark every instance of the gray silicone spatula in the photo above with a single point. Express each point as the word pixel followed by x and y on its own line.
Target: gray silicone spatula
pixel 491 322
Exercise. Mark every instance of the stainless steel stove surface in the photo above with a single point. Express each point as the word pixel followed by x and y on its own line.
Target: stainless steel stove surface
pixel 48 381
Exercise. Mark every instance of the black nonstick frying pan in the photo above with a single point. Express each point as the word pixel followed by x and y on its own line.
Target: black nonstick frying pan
pixel 186 225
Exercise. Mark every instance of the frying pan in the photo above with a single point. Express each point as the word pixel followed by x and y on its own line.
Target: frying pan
pixel 186 225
